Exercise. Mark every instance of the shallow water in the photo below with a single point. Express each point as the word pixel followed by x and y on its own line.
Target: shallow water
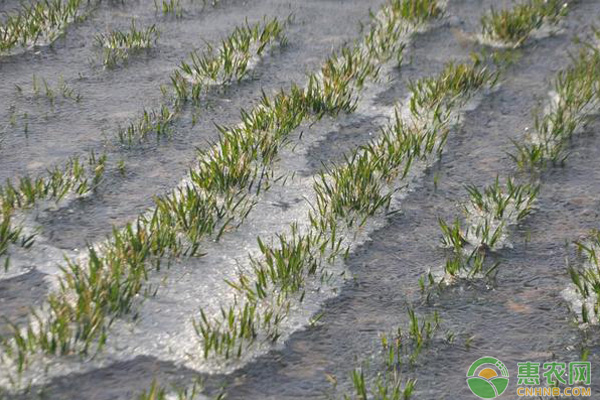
pixel 520 317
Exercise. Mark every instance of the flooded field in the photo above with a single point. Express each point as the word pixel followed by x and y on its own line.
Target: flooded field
pixel 317 199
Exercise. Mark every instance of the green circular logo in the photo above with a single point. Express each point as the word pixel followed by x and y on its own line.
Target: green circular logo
pixel 487 378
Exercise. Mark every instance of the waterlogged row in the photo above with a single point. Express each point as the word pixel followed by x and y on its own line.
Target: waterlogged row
pixel 119 45
pixel 217 195
pixel 278 276
pixel 576 97
pixel 231 62
pixel 490 211
pixel 232 58
pixel 399 353
pixel 39 24
pixel 586 279
pixel 77 177
pixel 346 197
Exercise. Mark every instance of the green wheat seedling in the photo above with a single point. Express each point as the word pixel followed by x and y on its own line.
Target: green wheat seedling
pixel 577 91
pixel 466 264
pixel 10 235
pixel 170 7
pixel 489 212
pixel 385 386
pixel 417 11
pixel 514 26
pixel 76 177
pixel 454 82
pixel 466 261
pixel 38 24
pixel 58 182
pixel 155 121
pixel 280 273
pixel 239 326
pixel 405 345
pixel 41 88
pixel 285 268
pixel 364 184
pixel 398 350
pixel 394 22
pixel 510 202
pixel 118 46
pixel 154 392
pixel 230 62
pixel 331 91
pixel 586 278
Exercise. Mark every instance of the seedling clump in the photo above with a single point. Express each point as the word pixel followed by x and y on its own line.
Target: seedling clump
pixel 514 26
pixel 488 214
pixel 417 11
pixel 118 46
pixel 170 7
pixel 230 62
pixel 76 177
pixel 586 279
